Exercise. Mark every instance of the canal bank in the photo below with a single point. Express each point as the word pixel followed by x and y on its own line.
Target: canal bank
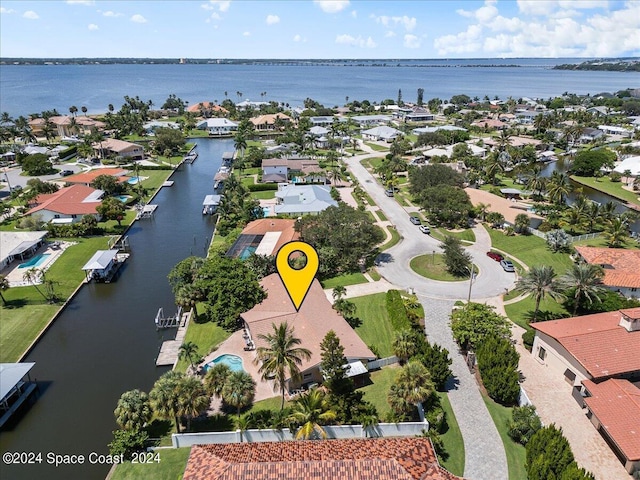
pixel 105 342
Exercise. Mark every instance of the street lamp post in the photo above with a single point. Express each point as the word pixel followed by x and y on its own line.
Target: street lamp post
pixel 470 283
pixel 433 257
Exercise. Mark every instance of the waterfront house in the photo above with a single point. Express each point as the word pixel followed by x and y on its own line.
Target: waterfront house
pixel 345 459
pixel 630 163
pixel 590 135
pixel 207 109
pixel 370 120
pixel 323 121
pixel 621 267
pixel 270 122
pixel 86 178
pixel 311 323
pixel 151 127
pixel 67 205
pixel 218 126
pixel 303 199
pixel 67 126
pixel 382 133
pixel 112 147
pixel 275 170
pixel 19 245
pixel 264 236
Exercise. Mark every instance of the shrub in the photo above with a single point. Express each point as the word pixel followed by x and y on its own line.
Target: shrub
pixel 548 454
pixel 436 359
pixel 127 442
pixel 527 338
pixel 262 187
pixel 558 240
pixel 524 424
pixel 397 312
pixel 498 365
pixel 545 227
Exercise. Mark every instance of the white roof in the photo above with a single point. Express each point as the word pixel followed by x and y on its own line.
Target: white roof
pixel 14 241
pixel 382 131
pixel 355 368
pixel 11 374
pixel 100 259
pixel 217 122
pixel 318 130
pixel 629 163
pixel 268 243
pixel 211 200
pixel 304 199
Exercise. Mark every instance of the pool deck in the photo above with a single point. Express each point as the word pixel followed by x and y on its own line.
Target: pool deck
pixel 15 275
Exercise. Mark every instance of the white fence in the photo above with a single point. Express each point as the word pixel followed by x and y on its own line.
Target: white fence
pixel 586 236
pixel 523 398
pixel 405 429
pixel 383 362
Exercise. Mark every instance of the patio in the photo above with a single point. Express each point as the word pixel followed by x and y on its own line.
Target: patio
pixel 14 274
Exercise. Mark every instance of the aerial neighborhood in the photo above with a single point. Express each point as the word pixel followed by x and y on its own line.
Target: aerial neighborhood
pixel 475 311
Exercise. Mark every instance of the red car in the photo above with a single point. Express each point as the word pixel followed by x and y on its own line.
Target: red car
pixel 496 256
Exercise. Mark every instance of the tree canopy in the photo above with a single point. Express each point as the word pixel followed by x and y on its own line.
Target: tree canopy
pixel 474 322
pixel 589 162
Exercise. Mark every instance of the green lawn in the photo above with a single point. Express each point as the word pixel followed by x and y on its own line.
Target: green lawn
pixel 520 312
pixel 264 195
pixel 395 238
pixel 27 312
pixel 376 392
pixel 272 403
pixel 432 266
pixel 601 242
pixel 452 439
pixel 467 235
pixel 530 249
pixel 373 273
pixel 605 185
pixel 376 147
pixel 381 215
pixel 375 329
pixel 516 454
pixel 206 335
pixel 170 467
pixel 344 280
pixel 155 180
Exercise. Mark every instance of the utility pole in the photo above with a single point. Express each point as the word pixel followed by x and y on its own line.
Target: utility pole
pixel 470 283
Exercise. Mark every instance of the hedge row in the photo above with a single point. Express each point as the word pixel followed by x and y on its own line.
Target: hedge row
pixel 397 312
pixel 498 365
pixel 262 187
pixel 68 153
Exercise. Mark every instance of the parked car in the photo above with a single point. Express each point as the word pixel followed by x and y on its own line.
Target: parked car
pixel 389 192
pixel 507 266
pixel 66 173
pixel 425 229
pixel 415 220
pixel 496 256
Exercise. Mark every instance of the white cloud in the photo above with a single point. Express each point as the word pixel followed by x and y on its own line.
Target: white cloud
pixel 7 11
pixel 332 6
pixel 246 34
pixel 109 13
pixel 464 13
pixel 409 23
pixel 214 16
pixel 411 41
pixel 272 19
pixel 468 41
pixel 390 34
pixel 137 18
pixel 93 26
pixel 219 5
pixel 30 15
pixel 88 3
pixel 358 41
pixel 299 38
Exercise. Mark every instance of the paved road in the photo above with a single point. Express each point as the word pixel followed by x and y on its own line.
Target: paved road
pixel 485 458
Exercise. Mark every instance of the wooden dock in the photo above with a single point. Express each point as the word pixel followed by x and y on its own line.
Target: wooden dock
pixel 169 350
pixel 168 183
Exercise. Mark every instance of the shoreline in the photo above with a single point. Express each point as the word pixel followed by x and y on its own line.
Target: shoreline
pixel 64 305
pixel 624 201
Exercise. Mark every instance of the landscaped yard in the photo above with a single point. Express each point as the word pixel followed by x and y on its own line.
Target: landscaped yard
pixel 395 238
pixel 344 280
pixel 521 312
pixel 432 266
pixel 27 312
pixel 375 329
pixel 377 391
pixel 206 335
pixel 516 454
pixel 452 439
pixel 604 184
pixel 170 467
pixel 530 249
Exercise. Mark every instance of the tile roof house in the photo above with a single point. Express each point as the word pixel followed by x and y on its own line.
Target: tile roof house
pixel 120 148
pixel 346 459
pixel 508 208
pixel 265 235
pixel 86 178
pixel 65 126
pixel 207 108
pixel 67 205
pixel 311 323
pixel 303 199
pixel 614 409
pixel 268 122
pixel 621 267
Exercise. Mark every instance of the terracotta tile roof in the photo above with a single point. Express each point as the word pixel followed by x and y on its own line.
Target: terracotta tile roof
pixel 616 405
pixel 621 266
pixel 88 177
pixel 67 201
pixel 311 323
pixel 195 108
pixel 598 342
pixel 269 119
pixel 346 459
pixel 117 146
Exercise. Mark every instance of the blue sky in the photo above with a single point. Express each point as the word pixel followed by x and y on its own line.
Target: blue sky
pixel 320 29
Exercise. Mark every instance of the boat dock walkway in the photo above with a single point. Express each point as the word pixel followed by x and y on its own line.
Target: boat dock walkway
pixel 170 348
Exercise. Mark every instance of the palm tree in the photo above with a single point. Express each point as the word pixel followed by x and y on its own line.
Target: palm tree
pixel 4 285
pixel 281 356
pixel 164 396
pixel 215 379
pixel 192 399
pixel 239 391
pixel 188 295
pixel 482 209
pixel 586 280
pixel 133 410
pixel 540 281
pixel 617 232
pixel 240 144
pixel 558 187
pixel 310 411
pixel 412 386
pixel 33 275
pixel 404 345
pixel 339 292
pixel 189 350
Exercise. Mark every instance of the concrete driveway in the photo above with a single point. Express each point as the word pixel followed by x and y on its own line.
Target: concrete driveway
pixel 393 264
pixel 15 176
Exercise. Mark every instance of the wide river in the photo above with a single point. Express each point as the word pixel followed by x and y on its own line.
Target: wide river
pixel 105 342
pixel 28 89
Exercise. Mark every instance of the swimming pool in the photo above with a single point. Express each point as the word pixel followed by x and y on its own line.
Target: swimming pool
pixel 123 198
pixel 35 261
pixel 266 211
pixel 234 362
pixel 246 253
pixel 133 180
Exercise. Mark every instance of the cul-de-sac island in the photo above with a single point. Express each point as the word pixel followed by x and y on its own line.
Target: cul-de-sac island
pixel 474 313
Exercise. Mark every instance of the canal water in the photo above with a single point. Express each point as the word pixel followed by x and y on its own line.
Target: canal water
pixel 105 342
